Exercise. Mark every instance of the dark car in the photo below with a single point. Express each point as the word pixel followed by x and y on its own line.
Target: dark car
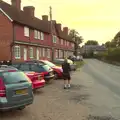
pixel 15 89
pixel 36 67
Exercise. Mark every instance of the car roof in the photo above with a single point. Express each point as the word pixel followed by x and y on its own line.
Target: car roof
pixel 6 68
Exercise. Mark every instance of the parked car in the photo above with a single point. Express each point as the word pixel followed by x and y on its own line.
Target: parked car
pixel 58 72
pixel 36 67
pixel 59 62
pixel 36 78
pixel 15 89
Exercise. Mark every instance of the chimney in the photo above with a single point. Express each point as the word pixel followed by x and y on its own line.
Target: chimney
pixel 65 30
pixel 58 25
pixel 29 10
pixel 16 3
pixel 45 17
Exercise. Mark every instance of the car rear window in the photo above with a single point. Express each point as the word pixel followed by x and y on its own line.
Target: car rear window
pixel 14 77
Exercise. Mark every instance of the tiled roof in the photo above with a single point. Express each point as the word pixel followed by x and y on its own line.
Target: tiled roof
pixel 21 17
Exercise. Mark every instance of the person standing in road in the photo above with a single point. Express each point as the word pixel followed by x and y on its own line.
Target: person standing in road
pixel 66 74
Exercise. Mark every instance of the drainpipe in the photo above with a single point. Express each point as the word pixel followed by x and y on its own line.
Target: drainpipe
pixel 12 44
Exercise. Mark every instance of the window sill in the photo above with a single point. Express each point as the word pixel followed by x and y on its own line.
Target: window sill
pixel 26 36
pixel 17 58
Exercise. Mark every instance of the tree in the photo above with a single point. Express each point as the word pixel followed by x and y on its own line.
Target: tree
pixel 76 38
pixel 91 42
pixel 111 44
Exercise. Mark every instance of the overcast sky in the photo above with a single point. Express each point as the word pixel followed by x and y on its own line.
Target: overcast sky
pixel 93 19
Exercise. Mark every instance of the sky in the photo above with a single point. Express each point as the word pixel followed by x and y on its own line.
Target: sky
pixel 93 19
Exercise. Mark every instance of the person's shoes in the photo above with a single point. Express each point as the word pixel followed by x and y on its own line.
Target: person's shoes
pixel 68 86
pixel 65 87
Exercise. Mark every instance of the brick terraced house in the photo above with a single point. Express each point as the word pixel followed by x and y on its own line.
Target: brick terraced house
pixel 25 37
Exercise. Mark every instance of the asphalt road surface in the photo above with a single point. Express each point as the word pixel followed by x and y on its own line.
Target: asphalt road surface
pixel 101 81
pixel 94 95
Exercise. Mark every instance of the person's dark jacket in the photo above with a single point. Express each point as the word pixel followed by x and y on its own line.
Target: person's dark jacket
pixel 66 67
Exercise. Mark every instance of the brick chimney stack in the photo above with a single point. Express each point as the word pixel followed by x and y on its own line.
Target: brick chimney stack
pixel 58 25
pixel 65 30
pixel 16 3
pixel 29 10
pixel 45 17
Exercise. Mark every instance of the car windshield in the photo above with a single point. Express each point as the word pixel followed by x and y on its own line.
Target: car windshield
pixel 49 64
pixel 46 68
pixel 14 77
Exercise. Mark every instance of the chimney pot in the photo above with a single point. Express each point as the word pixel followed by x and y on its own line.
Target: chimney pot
pixel 16 3
pixel 29 10
pixel 45 17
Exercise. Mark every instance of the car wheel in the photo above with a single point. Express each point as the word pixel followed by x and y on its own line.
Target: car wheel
pixel 21 108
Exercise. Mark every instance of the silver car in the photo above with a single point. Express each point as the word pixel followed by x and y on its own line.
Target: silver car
pixel 15 89
pixel 60 62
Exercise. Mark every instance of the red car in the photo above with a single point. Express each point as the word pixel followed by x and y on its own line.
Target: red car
pixel 36 78
pixel 57 69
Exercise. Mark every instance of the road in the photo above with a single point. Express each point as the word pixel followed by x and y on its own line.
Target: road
pixel 102 82
pixel 94 94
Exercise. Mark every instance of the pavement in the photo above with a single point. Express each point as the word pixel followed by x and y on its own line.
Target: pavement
pixel 94 95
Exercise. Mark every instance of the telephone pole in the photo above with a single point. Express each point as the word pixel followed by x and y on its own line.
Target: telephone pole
pixel 51 30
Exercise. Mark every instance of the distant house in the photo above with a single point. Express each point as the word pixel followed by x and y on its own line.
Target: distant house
pixel 25 37
pixel 94 48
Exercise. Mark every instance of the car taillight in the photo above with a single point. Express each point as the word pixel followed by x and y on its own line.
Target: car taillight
pixel 2 88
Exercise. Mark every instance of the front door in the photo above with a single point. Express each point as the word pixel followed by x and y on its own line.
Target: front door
pixel 37 54
pixel 25 53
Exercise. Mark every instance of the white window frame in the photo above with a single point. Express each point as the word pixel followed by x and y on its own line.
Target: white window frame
pixel 17 55
pixel 40 51
pixel 31 54
pixel 48 53
pixel 26 31
pixel 38 33
pixel 42 35
pixel 35 34
pixel 43 52
pixel 56 53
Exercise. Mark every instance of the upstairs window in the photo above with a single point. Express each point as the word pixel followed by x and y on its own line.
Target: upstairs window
pixel 38 35
pixel 42 36
pixel 17 52
pixel 26 32
pixel 35 34
pixel 54 39
pixel 31 52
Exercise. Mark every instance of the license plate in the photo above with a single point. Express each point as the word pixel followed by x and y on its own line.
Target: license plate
pixel 18 92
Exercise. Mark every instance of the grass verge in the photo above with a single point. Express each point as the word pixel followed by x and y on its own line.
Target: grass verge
pixel 79 64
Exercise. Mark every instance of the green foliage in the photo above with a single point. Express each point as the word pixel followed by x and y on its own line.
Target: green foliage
pixel 91 42
pixel 113 54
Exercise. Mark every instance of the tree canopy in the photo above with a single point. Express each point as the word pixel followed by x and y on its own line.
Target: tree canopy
pixel 91 42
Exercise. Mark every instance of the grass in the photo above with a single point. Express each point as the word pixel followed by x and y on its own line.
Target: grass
pixel 79 64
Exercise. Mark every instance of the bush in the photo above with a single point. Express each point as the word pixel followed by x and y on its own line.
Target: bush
pixel 113 54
